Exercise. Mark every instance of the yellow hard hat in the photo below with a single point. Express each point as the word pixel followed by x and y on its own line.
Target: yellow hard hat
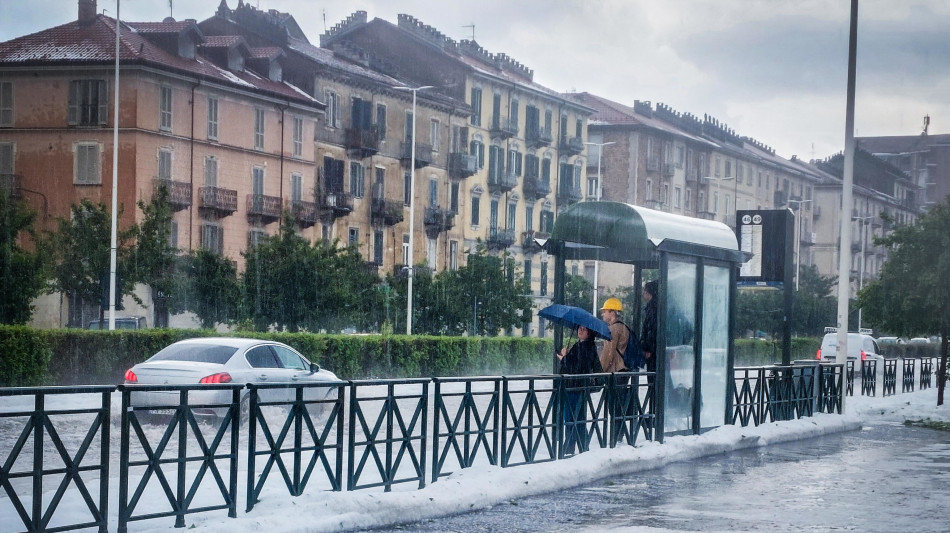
pixel 612 304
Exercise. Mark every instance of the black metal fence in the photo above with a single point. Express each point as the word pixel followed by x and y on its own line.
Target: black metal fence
pixel 179 455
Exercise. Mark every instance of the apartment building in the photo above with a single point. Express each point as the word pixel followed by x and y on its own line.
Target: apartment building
pixel 925 158
pixel 212 118
pixel 519 157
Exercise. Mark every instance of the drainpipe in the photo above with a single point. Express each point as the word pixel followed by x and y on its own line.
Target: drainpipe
pixel 282 128
pixel 191 166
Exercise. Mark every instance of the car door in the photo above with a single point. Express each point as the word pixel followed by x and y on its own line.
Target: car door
pixel 265 368
pixel 297 368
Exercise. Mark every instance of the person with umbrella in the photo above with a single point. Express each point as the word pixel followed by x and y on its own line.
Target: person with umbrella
pixel 580 359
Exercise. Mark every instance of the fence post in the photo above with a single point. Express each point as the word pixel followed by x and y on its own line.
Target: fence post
pixel 124 463
pixel 39 417
pixel 106 415
pixel 235 410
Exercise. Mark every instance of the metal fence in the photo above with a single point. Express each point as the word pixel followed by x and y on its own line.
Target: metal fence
pixel 180 455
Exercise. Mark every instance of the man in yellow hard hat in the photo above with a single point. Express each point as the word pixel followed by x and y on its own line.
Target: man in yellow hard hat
pixel 611 356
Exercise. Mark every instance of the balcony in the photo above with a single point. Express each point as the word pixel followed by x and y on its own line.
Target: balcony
pixel 668 169
pixel 402 271
pixel 262 208
pixel 388 212
pixel 462 165
pixel 423 154
pixel 179 192
pixel 504 128
pixel 502 180
pixel 653 163
pixel 707 215
pixel 536 187
pixel 305 213
pixel 572 145
pixel 335 203
pixel 216 201
pixel 692 175
pixel 371 268
pixel 570 193
pixel 361 142
pixel 10 185
pixel 807 238
pixel 436 220
pixel 538 137
pixel 528 242
pixel 500 238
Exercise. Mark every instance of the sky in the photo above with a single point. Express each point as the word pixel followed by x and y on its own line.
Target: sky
pixel 774 71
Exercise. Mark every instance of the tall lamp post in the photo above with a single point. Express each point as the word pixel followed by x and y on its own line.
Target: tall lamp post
pixel 864 239
pixel 718 187
pixel 798 241
pixel 599 193
pixel 412 201
pixel 115 180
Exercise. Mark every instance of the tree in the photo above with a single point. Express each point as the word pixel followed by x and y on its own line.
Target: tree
pixel 578 291
pixel 81 255
pixel 208 287
pixel 153 259
pixel 912 293
pixel 23 273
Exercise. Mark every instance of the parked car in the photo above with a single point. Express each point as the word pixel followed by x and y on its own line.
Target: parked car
pixel 919 340
pixel 121 322
pixel 860 346
pixel 225 360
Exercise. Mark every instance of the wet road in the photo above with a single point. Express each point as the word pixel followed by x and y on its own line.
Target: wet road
pixel 885 478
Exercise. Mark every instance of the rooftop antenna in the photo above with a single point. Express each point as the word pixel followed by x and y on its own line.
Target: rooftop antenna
pixel 171 8
pixel 812 151
pixel 926 125
pixel 324 21
pixel 472 25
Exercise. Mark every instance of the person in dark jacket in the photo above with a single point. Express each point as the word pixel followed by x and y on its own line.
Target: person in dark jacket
pixel 581 359
pixel 648 335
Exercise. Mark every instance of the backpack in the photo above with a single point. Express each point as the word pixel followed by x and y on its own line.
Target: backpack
pixel 633 355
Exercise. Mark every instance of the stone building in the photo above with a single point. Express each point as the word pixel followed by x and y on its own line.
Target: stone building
pixel 925 158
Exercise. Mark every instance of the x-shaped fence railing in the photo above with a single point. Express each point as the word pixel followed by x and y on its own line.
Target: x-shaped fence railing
pixel 529 419
pixel 470 428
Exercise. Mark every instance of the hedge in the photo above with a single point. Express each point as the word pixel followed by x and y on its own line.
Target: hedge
pixel 70 357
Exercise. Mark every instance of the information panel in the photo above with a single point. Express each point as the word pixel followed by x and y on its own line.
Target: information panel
pixel 767 235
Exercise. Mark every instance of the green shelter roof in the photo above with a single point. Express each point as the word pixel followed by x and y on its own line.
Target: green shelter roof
pixel 624 233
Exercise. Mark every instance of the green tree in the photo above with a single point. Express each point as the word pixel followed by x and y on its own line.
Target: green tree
pixel 81 255
pixel 152 259
pixel 912 294
pixel 22 272
pixel 578 291
pixel 208 287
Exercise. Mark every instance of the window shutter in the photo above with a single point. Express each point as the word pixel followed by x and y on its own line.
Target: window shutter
pixel 492 163
pixel 103 101
pixel 519 162
pixel 72 115
pixel 211 172
pixel 6 158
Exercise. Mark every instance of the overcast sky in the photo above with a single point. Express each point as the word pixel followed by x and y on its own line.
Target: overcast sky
pixel 772 70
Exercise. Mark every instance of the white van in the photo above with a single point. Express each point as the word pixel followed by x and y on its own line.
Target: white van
pixel 861 346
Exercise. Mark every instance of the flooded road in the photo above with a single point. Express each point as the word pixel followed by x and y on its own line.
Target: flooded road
pixel 884 478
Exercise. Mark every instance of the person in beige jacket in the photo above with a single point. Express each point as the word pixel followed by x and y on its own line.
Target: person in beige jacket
pixel 611 353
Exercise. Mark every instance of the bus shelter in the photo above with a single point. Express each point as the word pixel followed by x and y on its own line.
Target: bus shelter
pixel 697 263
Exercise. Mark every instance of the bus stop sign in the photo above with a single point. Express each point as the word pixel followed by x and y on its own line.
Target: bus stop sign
pixel 768 236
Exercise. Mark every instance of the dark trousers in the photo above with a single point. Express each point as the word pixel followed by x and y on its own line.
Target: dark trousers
pixel 575 425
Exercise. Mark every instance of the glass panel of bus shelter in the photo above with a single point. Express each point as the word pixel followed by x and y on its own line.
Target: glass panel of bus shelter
pixel 679 325
pixel 715 344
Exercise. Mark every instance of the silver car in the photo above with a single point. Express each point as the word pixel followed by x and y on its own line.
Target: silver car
pixel 226 360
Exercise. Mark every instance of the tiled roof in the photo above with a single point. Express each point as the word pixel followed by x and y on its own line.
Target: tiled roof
pixel 608 112
pixel 94 44
pixel 162 27
pixel 266 52
pixel 223 41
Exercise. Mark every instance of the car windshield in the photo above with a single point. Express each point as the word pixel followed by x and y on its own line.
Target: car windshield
pixel 199 353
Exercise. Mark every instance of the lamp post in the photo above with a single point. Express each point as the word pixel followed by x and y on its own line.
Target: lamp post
pixel 864 239
pixel 718 187
pixel 798 241
pixel 599 193
pixel 412 201
pixel 113 243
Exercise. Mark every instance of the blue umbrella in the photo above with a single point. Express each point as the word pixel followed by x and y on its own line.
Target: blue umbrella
pixel 568 315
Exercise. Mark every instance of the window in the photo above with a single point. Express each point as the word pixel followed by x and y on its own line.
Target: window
pixel 212 118
pixel 718 165
pixel 212 238
pixel 546 170
pixel 354 237
pixel 88 166
pixel 296 187
pixel 476 203
pixel 701 202
pixel 165 109
pixel 453 255
pixel 477 148
pixel 527 271
pixel 676 197
pixel 298 137
pixel 716 202
pixel 258 129
pixel 515 161
pixel 211 171
pixel 381 120
pixel 493 213
pixel 547 221
pixel 689 197
pixel 432 248
pixel 434 134
pixel 433 192
pixel 592 187
pixel 378 247
pixel 728 169
pixel 665 194
pixel 544 279
pixel 728 198
pixel 164 164
pixel 379 183
pixel 476 102
pixel 649 190
pixel 680 155
pixel 454 197
pixel 409 125
pixel 88 103
pixel 407 188
pixel 333 109
pixel 6 103
pixel 357 179
pixel 7 151
pixel 512 211
pixel 173 234
pixel 405 249
pixel 257 181
pixel 579 128
pixel 529 217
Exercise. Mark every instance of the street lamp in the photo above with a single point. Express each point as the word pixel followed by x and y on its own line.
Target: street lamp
pixel 718 187
pixel 798 241
pixel 113 246
pixel 600 190
pixel 412 201
pixel 864 239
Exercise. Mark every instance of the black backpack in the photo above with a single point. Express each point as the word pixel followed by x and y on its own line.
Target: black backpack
pixel 633 355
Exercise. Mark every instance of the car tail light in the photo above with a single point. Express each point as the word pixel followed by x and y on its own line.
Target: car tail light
pixel 130 376
pixel 818 354
pixel 864 355
pixel 220 377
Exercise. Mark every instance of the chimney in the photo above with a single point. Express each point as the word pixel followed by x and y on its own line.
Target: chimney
pixel 87 11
